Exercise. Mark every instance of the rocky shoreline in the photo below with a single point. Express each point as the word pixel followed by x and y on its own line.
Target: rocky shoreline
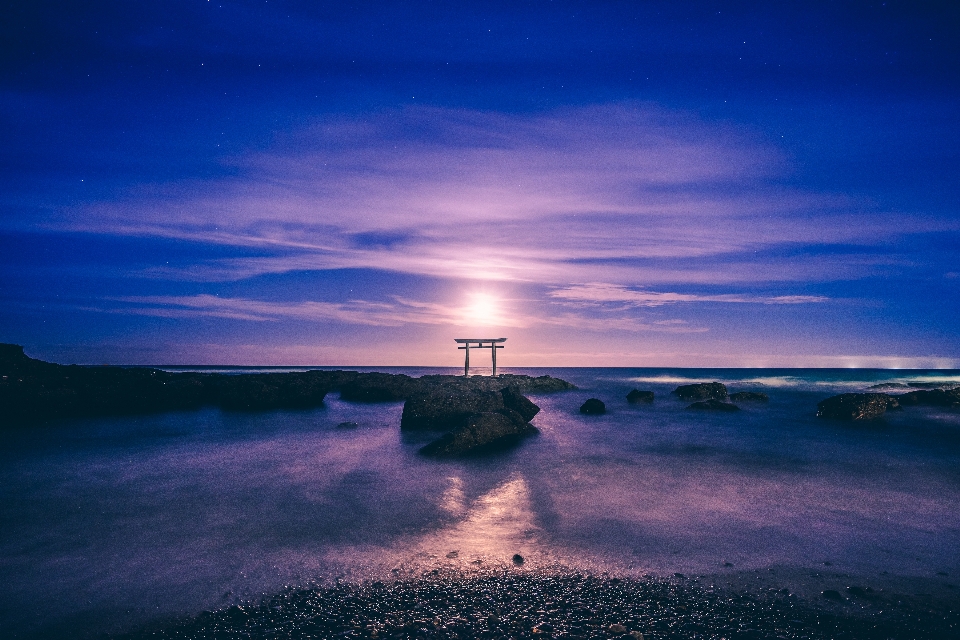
pixel 516 603
pixel 474 414
pixel 33 391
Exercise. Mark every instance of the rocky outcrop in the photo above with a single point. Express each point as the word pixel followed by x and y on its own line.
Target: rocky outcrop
pixel 516 401
pixel 268 391
pixel 593 407
pixel 33 391
pixel 932 398
pixel 856 406
pixel 749 396
pixel 481 431
pixel 378 387
pixel 713 405
pixel 640 397
pixel 448 407
pixel 475 419
pixel 701 391
pixel 523 384
pixel 443 408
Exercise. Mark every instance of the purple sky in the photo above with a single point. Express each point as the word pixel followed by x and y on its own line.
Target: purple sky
pixel 608 184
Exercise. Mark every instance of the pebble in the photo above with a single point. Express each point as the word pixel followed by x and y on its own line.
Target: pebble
pixel 504 603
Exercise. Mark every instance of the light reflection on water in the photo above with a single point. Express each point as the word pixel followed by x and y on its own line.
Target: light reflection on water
pixel 121 520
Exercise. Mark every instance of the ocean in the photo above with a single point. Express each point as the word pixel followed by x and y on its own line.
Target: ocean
pixel 108 524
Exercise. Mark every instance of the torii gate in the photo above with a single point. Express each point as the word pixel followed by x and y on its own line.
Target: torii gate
pixel 480 343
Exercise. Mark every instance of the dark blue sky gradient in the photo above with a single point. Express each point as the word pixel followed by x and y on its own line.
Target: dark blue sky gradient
pixel 619 183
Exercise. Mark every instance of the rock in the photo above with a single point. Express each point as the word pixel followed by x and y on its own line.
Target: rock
pixel 932 398
pixel 517 559
pixel 523 384
pixel 701 391
pixel 889 385
pixel 832 594
pixel 593 407
pixel 481 430
pixel 856 406
pixel 262 392
pixel 931 385
pixel 617 629
pixel 637 397
pixel 442 409
pixel 347 425
pixel 378 387
pixel 513 399
pixel 713 405
pixel 749 396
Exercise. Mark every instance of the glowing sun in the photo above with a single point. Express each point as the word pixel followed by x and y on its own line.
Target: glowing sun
pixel 482 310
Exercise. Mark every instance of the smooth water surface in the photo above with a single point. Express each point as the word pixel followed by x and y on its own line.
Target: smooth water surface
pixel 110 523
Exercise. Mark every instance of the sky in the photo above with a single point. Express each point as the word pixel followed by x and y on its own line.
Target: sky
pixel 696 184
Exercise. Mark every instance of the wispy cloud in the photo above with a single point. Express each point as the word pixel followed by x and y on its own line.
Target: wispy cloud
pixel 399 312
pixel 352 312
pixel 595 193
pixel 599 292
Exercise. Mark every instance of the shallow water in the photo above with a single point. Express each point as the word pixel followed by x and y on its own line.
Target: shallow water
pixel 110 523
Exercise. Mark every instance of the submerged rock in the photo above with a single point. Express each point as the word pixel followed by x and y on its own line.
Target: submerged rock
pixel 347 425
pixel 856 406
pixel 593 407
pixel 487 429
pixel 640 397
pixel 713 405
pixel 933 398
pixel 889 385
pixel 701 391
pixel 749 396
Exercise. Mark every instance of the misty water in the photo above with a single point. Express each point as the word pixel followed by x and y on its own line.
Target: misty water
pixel 107 524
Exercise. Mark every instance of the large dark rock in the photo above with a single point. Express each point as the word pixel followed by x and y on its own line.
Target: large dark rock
pixel 713 405
pixel 267 391
pixel 749 396
pixel 480 431
pixel 701 391
pixel 593 407
pixel 933 398
pixel 513 399
pixel 378 387
pixel 640 397
pixel 33 391
pixel 856 406
pixel 442 408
